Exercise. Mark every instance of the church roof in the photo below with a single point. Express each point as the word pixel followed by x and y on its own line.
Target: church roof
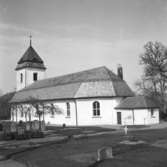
pixel 97 82
pixel 137 102
pixel 30 59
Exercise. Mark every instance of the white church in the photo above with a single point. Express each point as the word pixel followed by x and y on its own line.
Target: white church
pixel 86 98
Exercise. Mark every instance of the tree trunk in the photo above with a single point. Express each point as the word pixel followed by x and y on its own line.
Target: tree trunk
pixel 25 116
pixel 39 121
pixel 29 115
pixel 43 116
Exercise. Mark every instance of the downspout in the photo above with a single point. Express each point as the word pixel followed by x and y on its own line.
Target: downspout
pixel 76 112
pixel 133 117
pixel 16 114
pixel 25 78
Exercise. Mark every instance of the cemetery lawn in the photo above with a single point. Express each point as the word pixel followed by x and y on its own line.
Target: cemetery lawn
pixel 82 152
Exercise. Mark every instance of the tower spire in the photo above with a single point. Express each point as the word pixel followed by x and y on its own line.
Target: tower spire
pixel 30 39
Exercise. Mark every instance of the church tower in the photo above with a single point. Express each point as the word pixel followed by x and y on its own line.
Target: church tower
pixel 30 68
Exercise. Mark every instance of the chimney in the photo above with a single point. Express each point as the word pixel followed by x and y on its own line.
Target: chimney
pixel 120 71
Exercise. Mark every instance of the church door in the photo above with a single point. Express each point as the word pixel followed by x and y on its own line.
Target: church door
pixel 119 118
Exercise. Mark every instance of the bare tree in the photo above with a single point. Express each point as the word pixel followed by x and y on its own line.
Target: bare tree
pixel 42 108
pixel 39 107
pixel 5 105
pixel 154 80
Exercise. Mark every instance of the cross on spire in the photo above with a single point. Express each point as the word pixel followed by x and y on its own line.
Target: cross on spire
pixel 30 39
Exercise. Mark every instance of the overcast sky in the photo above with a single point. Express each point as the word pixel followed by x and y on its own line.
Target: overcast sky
pixel 74 35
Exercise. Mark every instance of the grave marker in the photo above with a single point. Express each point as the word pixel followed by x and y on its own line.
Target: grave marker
pixel 104 153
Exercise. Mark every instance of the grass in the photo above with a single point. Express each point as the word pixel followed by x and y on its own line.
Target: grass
pixel 143 157
pixel 67 154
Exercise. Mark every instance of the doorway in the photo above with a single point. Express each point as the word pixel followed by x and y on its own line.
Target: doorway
pixel 119 118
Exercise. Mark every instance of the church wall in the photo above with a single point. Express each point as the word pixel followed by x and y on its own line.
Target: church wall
pixel 84 113
pixel 139 117
pixel 20 85
pixel 144 116
pixel 155 118
pixel 29 75
pixel 127 117
pixel 107 112
pixel 85 117
pixel 58 118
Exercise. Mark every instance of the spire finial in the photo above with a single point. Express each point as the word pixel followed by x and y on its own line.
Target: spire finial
pixel 30 39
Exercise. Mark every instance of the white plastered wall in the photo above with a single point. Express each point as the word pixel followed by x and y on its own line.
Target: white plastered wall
pixel 153 119
pixel 58 118
pixel 107 112
pixel 28 77
pixel 20 85
pixel 139 117
pixel 84 113
pixel 62 118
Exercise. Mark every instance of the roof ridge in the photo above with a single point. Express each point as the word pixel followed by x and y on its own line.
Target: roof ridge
pixel 79 72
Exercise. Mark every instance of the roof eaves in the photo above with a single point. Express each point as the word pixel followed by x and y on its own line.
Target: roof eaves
pixel 135 108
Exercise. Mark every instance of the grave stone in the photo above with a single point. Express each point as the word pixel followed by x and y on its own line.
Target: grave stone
pixel 104 153
pixel 43 125
pixel 6 127
pixel 20 130
pixel 28 127
pixel 13 127
pixel 35 125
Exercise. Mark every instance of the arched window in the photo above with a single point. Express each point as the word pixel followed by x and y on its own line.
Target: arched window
pixel 68 109
pixel 96 108
pixel 21 78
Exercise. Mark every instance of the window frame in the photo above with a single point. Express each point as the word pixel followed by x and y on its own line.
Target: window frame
pixel 21 77
pixel 96 109
pixel 68 110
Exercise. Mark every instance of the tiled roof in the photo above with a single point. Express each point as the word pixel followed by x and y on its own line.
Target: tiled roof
pixel 137 102
pixel 30 59
pixel 97 82
pixel 96 74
